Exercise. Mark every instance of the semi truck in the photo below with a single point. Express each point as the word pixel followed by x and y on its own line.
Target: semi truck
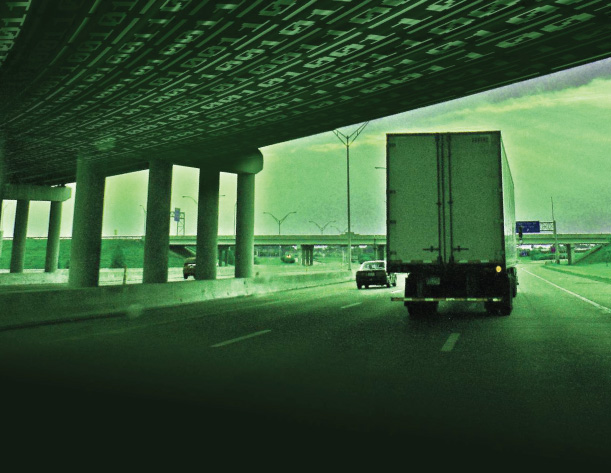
pixel 451 220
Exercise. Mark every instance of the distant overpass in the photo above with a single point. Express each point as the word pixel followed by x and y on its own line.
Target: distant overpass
pixel 373 239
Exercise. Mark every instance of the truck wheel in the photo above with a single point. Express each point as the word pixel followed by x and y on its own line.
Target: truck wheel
pixel 186 277
pixel 422 309
pixel 415 310
pixel 491 307
pixel 506 305
pixel 358 286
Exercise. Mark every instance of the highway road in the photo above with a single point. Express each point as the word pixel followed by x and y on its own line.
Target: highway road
pixel 333 366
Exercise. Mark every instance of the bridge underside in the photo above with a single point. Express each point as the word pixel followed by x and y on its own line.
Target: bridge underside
pixel 197 82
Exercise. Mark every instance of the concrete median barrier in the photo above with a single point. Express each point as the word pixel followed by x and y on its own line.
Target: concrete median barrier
pixel 31 308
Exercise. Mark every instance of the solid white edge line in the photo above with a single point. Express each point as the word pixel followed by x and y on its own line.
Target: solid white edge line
pixel 239 339
pixel 450 342
pixel 351 305
pixel 602 307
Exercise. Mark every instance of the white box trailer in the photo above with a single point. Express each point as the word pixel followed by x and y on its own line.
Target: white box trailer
pixel 451 219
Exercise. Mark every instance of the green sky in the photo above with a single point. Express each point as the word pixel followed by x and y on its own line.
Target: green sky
pixel 556 130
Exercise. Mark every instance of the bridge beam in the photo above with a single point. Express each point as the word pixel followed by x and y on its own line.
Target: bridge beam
pixel 55 223
pixel 206 254
pixel 31 192
pixel 245 226
pixel 87 225
pixel 20 234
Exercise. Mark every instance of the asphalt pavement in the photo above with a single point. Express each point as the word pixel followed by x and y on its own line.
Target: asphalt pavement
pixel 336 367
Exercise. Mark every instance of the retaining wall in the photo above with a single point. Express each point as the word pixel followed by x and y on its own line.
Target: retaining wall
pixel 22 309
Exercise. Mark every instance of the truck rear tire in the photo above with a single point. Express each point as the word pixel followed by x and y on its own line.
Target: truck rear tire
pixel 506 305
pixel 421 309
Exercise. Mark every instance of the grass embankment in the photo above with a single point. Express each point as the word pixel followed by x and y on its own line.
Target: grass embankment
pixel 131 251
pixel 596 271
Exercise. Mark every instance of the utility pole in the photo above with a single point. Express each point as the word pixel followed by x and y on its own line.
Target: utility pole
pixel 347 140
pixel 555 235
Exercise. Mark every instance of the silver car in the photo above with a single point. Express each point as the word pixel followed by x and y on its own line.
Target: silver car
pixel 373 273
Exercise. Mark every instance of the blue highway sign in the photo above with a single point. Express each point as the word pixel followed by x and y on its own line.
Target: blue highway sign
pixel 528 227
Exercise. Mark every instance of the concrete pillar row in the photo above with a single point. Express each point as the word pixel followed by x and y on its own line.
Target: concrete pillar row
pixel 3 179
pixel 206 254
pixel 20 234
pixel 1 222
pixel 87 225
pixel 55 223
pixel 245 226
pixel 157 238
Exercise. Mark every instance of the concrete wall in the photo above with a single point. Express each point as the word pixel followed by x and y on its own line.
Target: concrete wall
pixel 53 306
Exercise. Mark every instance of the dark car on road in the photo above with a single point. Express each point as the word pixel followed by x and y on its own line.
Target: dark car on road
pixel 373 273
pixel 188 268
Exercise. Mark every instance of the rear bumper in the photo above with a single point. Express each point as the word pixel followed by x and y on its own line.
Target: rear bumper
pixel 372 280
pixel 445 299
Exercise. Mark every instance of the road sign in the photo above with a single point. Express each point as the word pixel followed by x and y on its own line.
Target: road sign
pixel 547 226
pixel 177 214
pixel 528 227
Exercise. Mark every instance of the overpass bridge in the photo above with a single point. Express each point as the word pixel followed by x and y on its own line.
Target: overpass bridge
pixel 92 89
pixel 376 241
pixel 380 239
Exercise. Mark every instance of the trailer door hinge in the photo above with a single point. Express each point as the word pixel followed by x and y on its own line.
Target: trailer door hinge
pixel 431 249
pixel 458 248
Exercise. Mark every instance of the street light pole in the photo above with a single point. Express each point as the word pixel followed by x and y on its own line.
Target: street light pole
pixel 144 226
pixel 347 140
pixel 235 212
pixel 279 220
pixel 555 234
pixel 322 229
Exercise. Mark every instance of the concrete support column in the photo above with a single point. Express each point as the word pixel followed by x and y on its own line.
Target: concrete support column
pixel 223 255
pixel 19 236
pixel 87 226
pixel 245 226
pixel 55 221
pixel 570 253
pixel 2 183
pixel 157 238
pixel 207 225
pixel 1 223
pixel 307 255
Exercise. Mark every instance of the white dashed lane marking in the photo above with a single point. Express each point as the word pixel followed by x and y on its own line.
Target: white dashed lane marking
pixel 351 305
pixel 239 339
pixel 450 342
